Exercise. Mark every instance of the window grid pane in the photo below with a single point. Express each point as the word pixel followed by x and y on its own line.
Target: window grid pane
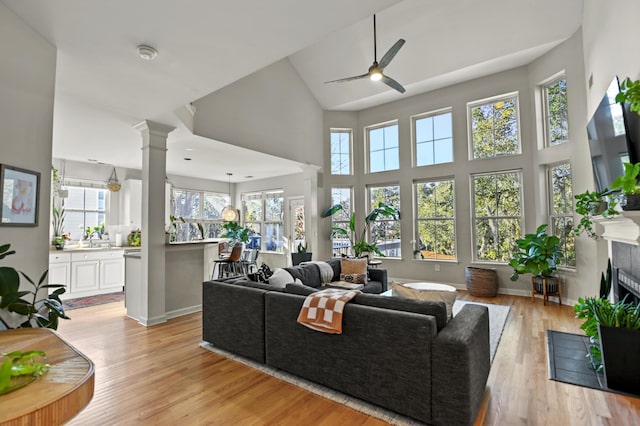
pixel 435 219
pixel 498 215
pixel 433 139
pixel 84 208
pixel 561 211
pixel 383 148
pixel 341 244
pixel 340 152
pixel 385 232
pixel 494 128
pixel 556 112
pixel 264 216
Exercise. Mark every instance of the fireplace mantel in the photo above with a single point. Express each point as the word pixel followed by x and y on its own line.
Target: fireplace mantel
pixel 624 227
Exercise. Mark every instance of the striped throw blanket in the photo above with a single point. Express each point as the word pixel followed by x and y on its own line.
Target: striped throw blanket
pixel 322 310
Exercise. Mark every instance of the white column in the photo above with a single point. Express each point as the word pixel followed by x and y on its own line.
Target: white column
pixel 312 181
pixel 152 275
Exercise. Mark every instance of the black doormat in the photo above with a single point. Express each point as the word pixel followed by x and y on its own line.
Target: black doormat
pixel 568 361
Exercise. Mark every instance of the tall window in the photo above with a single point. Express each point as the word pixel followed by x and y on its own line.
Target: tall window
pixel 340 152
pixel 435 219
pixel 556 111
pixel 433 138
pixel 497 214
pixel 264 216
pixel 494 127
pixel 85 208
pixel 561 211
pixel 385 232
pixel 384 153
pixel 201 212
pixel 341 245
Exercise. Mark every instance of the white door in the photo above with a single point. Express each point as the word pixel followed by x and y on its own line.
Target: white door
pixel 296 234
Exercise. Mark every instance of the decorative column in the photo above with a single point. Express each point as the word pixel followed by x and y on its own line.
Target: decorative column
pixel 312 181
pixel 152 274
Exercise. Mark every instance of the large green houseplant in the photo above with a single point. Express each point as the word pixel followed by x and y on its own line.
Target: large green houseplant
pixel 359 243
pixel 34 308
pixel 538 254
pixel 627 183
pixel 235 232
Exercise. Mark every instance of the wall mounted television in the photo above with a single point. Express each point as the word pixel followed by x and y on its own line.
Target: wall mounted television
pixel 614 138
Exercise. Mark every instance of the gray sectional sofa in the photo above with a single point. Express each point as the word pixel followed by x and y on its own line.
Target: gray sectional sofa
pixel 396 353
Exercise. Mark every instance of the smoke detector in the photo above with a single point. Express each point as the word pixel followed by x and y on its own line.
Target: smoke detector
pixel 146 52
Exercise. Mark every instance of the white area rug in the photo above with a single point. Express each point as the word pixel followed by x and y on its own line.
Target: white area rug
pixel 497 319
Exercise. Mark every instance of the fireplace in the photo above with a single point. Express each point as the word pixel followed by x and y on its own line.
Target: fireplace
pixel 625 262
pixel 623 232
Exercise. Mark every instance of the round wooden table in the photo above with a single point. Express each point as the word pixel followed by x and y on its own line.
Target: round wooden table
pixel 57 396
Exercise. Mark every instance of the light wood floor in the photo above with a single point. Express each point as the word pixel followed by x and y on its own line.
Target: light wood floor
pixel 160 376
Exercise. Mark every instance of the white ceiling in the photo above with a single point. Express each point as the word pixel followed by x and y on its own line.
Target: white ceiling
pixel 103 88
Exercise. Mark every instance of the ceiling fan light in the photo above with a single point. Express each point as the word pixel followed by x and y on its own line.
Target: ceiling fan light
pixel 375 76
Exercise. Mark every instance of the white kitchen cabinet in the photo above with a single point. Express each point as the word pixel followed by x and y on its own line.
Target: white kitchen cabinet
pixel 131 203
pixel 60 269
pixel 87 272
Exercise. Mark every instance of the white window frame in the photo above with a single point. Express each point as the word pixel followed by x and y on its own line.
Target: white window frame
pixel 84 210
pixel 384 218
pixel 418 219
pixel 544 89
pixel 414 135
pixel 350 153
pixel 200 219
pixel 553 215
pixel 263 222
pixel 494 99
pixel 336 222
pixel 367 131
pixel 474 218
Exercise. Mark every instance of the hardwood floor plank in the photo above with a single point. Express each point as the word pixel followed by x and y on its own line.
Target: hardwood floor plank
pixel 159 375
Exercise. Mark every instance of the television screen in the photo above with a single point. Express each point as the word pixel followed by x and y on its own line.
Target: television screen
pixel 613 132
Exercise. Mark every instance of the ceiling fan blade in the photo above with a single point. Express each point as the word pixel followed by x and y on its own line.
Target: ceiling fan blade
pixel 393 84
pixel 355 77
pixel 390 54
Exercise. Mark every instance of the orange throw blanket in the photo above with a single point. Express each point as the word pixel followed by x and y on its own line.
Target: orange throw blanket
pixel 322 310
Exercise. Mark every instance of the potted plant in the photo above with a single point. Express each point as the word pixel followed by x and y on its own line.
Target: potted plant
pixel 628 185
pixel 58 228
pixel 619 333
pixel 630 93
pixel 359 244
pixel 301 256
pixel 538 255
pixel 590 204
pixel 32 311
pixel 235 232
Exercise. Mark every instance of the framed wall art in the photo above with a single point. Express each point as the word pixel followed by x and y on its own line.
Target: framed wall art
pixel 19 194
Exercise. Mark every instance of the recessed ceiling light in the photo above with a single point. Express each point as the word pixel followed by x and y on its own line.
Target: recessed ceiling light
pixel 147 52
pixel 248 177
pixel 187 158
pixel 188 149
pixel 91 160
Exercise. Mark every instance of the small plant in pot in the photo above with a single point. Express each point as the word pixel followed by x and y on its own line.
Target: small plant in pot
pixel 538 255
pixel 628 185
pixel 590 204
pixel 235 232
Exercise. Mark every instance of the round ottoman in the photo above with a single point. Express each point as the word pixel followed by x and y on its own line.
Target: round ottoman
pixel 435 292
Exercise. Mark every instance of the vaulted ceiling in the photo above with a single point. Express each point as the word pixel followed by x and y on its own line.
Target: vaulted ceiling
pixel 103 88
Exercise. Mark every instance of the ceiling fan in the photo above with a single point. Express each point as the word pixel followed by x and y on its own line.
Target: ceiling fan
pixel 375 72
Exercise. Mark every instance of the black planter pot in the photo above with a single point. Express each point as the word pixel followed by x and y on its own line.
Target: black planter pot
pixel 620 348
pixel 297 258
pixel 631 202
pixel 552 284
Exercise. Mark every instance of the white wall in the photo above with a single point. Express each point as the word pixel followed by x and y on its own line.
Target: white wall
pixel 270 111
pixel 27 78
pixel 567 57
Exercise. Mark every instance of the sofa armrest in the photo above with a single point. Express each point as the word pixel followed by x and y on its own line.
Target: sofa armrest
pixel 378 275
pixel 461 363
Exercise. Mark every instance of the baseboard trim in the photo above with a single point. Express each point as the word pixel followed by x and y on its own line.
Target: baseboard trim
pixel 183 311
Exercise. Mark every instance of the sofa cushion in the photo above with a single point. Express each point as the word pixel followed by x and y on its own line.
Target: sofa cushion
pixel 255 284
pixel 280 278
pixel 436 309
pixel 335 264
pixel 354 278
pixel 300 289
pixel 309 274
pixel 353 266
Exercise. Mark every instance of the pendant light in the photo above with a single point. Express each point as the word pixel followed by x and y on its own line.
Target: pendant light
pixel 230 213
pixel 113 184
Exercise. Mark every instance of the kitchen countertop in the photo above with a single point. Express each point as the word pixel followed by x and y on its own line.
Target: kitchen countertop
pixel 71 249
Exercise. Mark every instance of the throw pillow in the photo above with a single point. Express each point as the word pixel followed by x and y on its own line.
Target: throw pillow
pixel 353 266
pixel 354 278
pixel 280 278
